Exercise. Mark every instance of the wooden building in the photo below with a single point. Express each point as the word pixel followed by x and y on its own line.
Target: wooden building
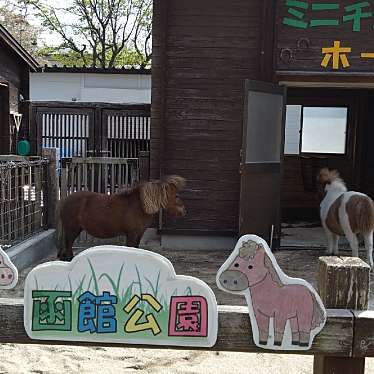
pixel 313 63
pixel 15 66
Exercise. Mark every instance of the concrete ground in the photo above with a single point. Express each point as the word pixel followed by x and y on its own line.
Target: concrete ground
pixel 308 235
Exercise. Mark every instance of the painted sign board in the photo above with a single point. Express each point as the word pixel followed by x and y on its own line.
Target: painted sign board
pixel 325 36
pixel 8 272
pixel 119 294
pixel 286 313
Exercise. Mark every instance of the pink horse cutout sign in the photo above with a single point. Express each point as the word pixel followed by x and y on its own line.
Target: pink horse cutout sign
pixel 8 272
pixel 286 313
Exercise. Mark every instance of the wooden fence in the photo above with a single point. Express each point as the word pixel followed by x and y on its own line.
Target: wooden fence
pixel 98 174
pixel 90 129
pixel 23 196
pixel 341 347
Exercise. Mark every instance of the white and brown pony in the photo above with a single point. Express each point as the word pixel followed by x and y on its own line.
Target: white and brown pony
pixel 346 213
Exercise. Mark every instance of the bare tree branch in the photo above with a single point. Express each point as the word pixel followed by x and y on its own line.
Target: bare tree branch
pixel 104 30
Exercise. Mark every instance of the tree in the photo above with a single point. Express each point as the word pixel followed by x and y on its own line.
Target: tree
pixel 100 32
pixel 14 19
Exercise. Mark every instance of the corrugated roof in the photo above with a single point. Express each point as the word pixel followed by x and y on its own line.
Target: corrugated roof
pixel 90 69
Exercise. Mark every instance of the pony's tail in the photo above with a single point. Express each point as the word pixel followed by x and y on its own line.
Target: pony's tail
pixel 318 315
pixel 59 230
pixel 365 215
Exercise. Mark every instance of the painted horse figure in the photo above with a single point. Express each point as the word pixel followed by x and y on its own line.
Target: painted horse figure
pixel 8 272
pixel 252 270
pixel 127 212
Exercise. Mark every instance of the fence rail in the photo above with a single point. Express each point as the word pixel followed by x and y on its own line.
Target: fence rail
pixel 234 332
pixel 98 174
pixel 22 192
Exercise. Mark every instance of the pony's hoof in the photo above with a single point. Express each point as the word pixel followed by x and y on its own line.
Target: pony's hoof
pixel 278 343
pixel 263 342
pixel 295 342
pixel 303 344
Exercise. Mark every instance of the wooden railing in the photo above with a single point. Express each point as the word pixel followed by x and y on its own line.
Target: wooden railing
pixel 98 174
pixel 234 332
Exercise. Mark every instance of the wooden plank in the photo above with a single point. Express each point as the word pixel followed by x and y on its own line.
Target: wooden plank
pixel 64 179
pixel 347 275
pixel 38 197
pixel 112 183
pixel 342 283
pixel 79 177
pixel 363 345
pixel 99 160
pixel 85 177
pixel 92 185
pixel 99 180
pixel 52 187
pixel 234 331
pixel 143 166
pixel 106 179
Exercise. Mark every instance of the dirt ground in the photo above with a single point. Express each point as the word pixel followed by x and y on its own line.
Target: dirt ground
pixel 205 264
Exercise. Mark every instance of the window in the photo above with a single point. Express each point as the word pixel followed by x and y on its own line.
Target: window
pixel 292 130
pixel 315 129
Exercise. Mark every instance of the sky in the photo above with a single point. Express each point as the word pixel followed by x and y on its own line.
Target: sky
pixel 47 36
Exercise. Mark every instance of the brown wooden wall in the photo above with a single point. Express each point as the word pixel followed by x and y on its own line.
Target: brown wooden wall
pixel 15 74
pixel 203 52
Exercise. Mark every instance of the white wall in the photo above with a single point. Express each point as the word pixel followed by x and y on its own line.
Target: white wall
pixel 91 87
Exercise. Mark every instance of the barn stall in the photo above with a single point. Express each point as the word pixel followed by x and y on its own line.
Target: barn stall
pixel 250 168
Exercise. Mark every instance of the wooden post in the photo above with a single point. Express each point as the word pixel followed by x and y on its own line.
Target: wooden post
pixel 52 186
pixel 143 166
pixel 343 282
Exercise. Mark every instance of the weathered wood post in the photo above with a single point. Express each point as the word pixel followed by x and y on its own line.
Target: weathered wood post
pixel 52 186
pixel 143 166
pixel 343 283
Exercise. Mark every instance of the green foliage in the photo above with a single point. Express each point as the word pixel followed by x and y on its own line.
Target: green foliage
pixel 98 33
pixel 64 56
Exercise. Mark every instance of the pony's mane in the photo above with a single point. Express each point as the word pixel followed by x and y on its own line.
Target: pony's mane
pixel 327 176
pixel 153 194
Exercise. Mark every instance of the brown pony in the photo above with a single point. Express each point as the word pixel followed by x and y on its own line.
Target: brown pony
pixel 127 212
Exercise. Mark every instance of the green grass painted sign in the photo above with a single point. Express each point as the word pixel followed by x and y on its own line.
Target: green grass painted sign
pixel 119 295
